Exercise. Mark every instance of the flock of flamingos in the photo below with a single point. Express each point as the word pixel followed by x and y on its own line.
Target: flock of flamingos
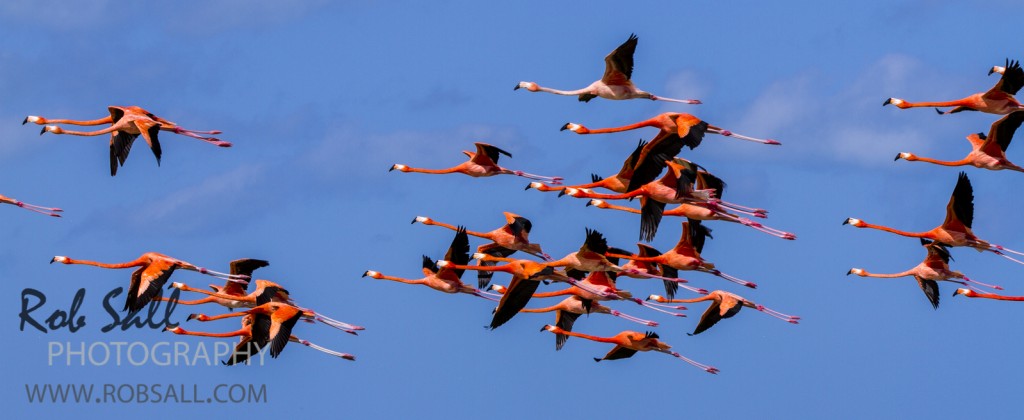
pixel 653 173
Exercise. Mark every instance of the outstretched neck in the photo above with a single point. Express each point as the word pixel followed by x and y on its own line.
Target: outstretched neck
pixel 589 337
pixel 641 124
pixel 128 264
pixel 564 92
pixel 434 171
pixel 996 297
pixel 898 232
pixel 962 162
pixel 562 292
pixel 888 276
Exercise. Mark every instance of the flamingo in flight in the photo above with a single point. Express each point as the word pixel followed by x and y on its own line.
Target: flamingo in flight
pixel 616 183
pixel 674 126
pixel 724 305
pixel 955 230
pixel 482 163
pixel 600 286
pixel 998 100
pixel 153 271
pixel 686 256
pixel 506 240
pixel 929 272
pixel 126 124
pixel 447 280
pixel 616 82
pixel 246 267
pixel 702 212
pixel 986 152
pixel 49 211
pixel 267 292
pixel 971 293
pixel 627 343
pixel 569 309
pixel 271 324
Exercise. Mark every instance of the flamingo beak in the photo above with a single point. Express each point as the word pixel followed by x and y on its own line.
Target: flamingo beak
pixel 26 118
pixel 53 259
pixel 897 157
pixel 846 222
pixel 517 87
pixel 887 102
pixel 43 131
pixel 849 272
pixel 564 127
pixel 561 192
pixel 191 317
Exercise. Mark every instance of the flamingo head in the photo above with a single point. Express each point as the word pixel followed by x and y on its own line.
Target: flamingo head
pixel 499 288
pixel 963 291
pixel 200 317
pixel 400 167
pixel 575 128
pixel 856 271
pixel 899 103
pixel 576 192
pixel 36 119
pixel 422 219
pixel 536 185
pixel 372 274
pixel 997 69
pixel 905 156
pixel 51 129
pixel 177 285
pixel 597 203
pixel 551 328
pixel 443 263
pixel 657 298
pixel 176 330
pixel 60 259
pixel 530 86
pixel 854 222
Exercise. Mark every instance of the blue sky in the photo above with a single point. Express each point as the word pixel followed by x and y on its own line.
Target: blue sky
pixel 322 97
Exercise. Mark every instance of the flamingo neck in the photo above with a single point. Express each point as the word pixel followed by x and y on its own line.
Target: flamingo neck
pixel 962 162
pixel 888 276
pixel 898 232
pixel 434 171
pixel 242 332
pixel 562 292
pixel 129 264
pixel 564 92
pixel 590 337
pixel 996 297
pixel 647 123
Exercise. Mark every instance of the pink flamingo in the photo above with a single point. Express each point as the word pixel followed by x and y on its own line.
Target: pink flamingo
pixel 998 100
pixel 986 152
pixel 482 163
pixel 616 82
pixel 724 305
pixel 673 125
pixel 627 343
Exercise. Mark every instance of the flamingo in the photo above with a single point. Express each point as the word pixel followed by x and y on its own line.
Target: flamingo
pixel 640 269
pixel 702 212
pixel 686 256
pixel 986 152
pixel 270 292
pixel 929 272
pixel 616 183
pixel 482 163
pixel 723 305
pixel 616 82
pixel 675 127
pixel 569 309
pixel 998 100
pixel 126 124
pixel 506 240
pixel 271 324
pixel 245 266
pixel 154 270
pixel 627 343
pixel 445 280
pixel 49 211
pixel 971 293
pixel 955 230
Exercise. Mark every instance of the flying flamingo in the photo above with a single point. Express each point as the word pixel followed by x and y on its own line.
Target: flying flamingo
pixel 998 100
pixel 270 292
pixel 506 240
pixel 483 163
pixel 971 293
pixel 616 183
pixel 271 325
pixel 446 279
pixel 986 152
pixel 246 267
pixel 686 256
pixel 591 257
pixel 615 84
pixel 568 310
pixel 675 127
pixel 49 211
pixel 627 343
pixel 929 272
pixel 154 270
pixel 526 277
pixel 699 211
pixel 724 305
pixel 640 269
pixel 126 124
pixel 955 230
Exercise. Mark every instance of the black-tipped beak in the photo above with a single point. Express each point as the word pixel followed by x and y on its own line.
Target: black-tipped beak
pixel 517 87
pixel 26 118
pixel 846 222
pixel 43 131
pixel 897 157
pixel 588 204
pixel 955 290
pixel 939 111
pixel 365 273
pixel 561 192
pixel 392 168
pixel 544 328
pixel 887 102
pixel 564 127
pixel 191 317
pixel 527 187
pixel 990 71
pixel 413 221
pixel 52 260
pixel 849 272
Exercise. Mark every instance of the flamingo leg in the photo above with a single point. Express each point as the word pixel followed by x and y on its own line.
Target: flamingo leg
pixel 345 356
pixel 733 279
pixel 788 318
pixel 681 101
pixel 49 211
pixel 706 368
pixel 640 302
pixel 633 318
pixel 554 180
pixel 673 279
pixel 196 135
pixel 728 133
pixel 991 286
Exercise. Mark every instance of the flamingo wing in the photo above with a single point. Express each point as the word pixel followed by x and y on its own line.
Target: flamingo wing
pixel 960 209
pixel 484 277
pixel 243 351
pixel 930 289
pixel 690 130
pixel 1002 131
pixel 705 180
pixel 716 312
pixel 429 266
pixel 120 145
pixel 518 294
pixel 458 253
pixel 651 160
pixel 491 152
pixel 618 352
pixel 595 242
pixel 149 130
pixel 280 332
pixel 146 283
pixel 618 65
pixel 565 321
pixel 116 112
pixel 698 235
pixel 630 164
pixel 520 225
pixel 1012 80
pixel 650 217
pixel 244 266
